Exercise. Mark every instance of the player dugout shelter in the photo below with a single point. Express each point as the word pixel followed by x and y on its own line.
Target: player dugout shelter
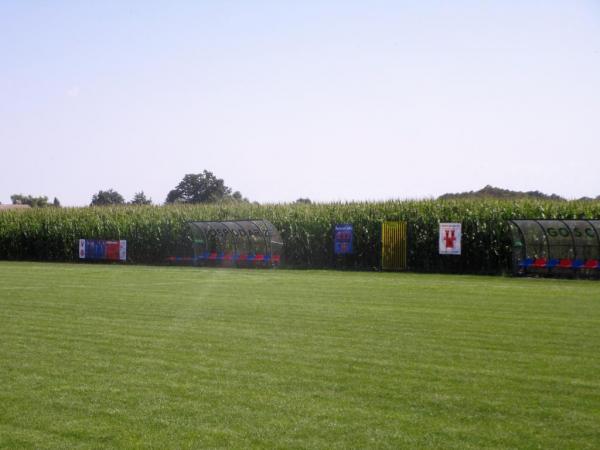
pixel 242 243
pixel 556 246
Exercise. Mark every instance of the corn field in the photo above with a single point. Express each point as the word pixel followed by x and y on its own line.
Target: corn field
pixel 155 232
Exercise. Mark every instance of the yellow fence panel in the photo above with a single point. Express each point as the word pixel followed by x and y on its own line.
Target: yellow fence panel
pixel 393 245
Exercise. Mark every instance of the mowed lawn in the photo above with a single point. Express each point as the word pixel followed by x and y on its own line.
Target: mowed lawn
pixel 110 356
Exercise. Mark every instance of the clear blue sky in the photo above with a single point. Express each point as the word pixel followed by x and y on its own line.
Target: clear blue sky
pixel 332 100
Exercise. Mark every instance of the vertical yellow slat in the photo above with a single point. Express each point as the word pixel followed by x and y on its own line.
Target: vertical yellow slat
pixel 384 245
pixel 396 252
pixel 404 245
pixel 405 252
pixel 398 247
pixel 388 246
pixel 395 247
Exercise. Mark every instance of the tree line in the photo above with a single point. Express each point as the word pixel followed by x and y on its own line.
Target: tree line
pixel 202 187
pixel 491 192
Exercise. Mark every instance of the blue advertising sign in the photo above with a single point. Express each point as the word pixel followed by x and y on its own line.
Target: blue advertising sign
pixel 342 239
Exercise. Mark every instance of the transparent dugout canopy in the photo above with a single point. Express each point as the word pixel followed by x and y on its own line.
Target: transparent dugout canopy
pixel 555 239
pixel 239 241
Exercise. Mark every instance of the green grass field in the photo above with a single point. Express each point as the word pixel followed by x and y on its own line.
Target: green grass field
pixel 96 356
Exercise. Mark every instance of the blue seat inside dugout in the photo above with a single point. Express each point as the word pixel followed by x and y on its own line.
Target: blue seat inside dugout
pixel 553 263
pixel 578 264
pixel 526 263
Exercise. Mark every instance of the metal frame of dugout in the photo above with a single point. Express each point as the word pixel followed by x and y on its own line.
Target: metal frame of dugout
pixel 241 243
pixel 557 247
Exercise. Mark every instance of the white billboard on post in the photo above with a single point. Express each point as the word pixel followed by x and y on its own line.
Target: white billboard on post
pixel 450 238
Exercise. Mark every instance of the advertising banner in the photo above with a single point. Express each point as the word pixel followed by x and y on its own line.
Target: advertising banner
pixel 342 239
pixel 450 238
pixel 103 250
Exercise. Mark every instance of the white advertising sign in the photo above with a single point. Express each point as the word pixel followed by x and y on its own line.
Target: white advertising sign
pixel 82 248
pixel 122 250
pixel 450 238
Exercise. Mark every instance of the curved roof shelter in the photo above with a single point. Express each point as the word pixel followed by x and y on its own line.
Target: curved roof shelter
pixel 556 246
pixel 236 243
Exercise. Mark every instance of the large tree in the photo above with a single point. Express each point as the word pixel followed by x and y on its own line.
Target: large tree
pixel 110 197
pixel 201 188
pixel 140 199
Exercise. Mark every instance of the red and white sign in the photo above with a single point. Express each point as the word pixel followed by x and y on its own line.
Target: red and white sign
pixel 450 238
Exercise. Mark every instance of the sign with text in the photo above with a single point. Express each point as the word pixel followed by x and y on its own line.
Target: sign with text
pixel 103 250
pixel 342 239
pixel 450 238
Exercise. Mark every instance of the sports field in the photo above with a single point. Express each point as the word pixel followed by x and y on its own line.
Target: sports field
pixel 95 356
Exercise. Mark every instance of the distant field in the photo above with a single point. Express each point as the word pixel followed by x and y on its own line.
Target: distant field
pixel 129 356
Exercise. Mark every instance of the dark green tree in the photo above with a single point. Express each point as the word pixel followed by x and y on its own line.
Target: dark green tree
pixel 34 202
pixel 201 188
pixel 110 197
pixel 304 200
pixel 140 199
pixel 56 203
